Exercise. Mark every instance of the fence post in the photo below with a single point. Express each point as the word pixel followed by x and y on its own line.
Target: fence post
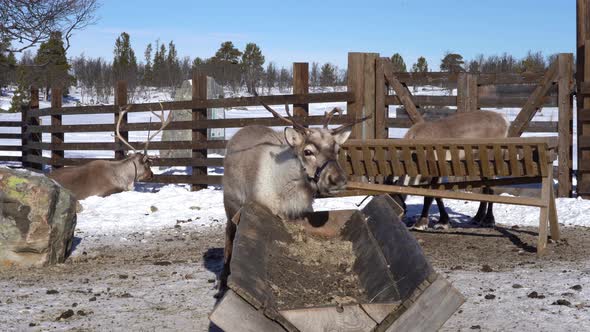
pixel 300 86
pixel 466 92
pixel 565 104
pixel 199 136
pixel 120 100
pixel 381 109
pixel 361 82
pixel 56 138
pixel 34 137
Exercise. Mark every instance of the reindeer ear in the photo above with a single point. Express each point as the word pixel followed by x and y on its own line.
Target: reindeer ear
pixel 342 135
pixel 293 137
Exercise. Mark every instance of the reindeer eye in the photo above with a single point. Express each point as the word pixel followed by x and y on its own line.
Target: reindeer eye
pixel 307 152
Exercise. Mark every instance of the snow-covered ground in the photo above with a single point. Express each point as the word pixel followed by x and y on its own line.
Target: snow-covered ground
pixel 153 209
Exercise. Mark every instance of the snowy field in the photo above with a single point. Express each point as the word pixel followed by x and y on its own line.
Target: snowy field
pixel 139 218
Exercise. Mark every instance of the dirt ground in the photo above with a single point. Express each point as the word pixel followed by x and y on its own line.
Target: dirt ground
pixel 164 282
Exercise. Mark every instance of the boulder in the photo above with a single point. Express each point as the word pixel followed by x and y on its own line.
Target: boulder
pixel 37 219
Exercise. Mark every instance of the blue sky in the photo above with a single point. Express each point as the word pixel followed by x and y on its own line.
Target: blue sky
pixel 325 31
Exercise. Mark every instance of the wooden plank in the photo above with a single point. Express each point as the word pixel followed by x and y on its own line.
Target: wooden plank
pixel 431 161
pixel 445 194
pixel 120 101
pixel 422 100
pixel 445 78
pixel 301 86
pixel 441 157
pixel 361 81
pixel 484 160
pixel 534 126
pixel 431 309
pixel 210 162
pixel 527 113
pixel 546 188
pixel 234 314
pixel 512 154
pixel 11 158
pixel 501 168
pixel 324 97
pixel 381 109
pixel 403 94
pixel 351 318
pixel 10 123
pixel 553 219
pixel 202 180
pixel 456 162
pixel 180 145
pixel 56 138
pixel 369 162
pixel 199 136
pixel 550 142
pixel 378 311
pixel 528 160
pixel 565 166
pixel 382 163
pixel 10 148
pixel 420 154
pixel 394 154
pixel 467 92
pixel 10 136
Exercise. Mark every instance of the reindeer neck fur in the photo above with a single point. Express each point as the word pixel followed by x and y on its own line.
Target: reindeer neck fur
pixel 125 173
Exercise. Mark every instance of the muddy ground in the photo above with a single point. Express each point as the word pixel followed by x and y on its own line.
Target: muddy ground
pixel 164 282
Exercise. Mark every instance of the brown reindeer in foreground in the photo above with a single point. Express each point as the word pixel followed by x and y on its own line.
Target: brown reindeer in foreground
pixel 106 177
pixel 282 171
pixel 475 124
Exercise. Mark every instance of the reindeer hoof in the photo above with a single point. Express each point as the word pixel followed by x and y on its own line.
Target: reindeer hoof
pixel 421 224
pixel 442 226
pixel 488 222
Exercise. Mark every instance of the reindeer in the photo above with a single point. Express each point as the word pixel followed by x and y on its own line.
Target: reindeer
pixel 476 124
pixel 106 177
pixel 283 171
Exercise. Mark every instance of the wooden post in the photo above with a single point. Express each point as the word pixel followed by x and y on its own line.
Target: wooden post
pixel 300 86
pixel 583 97
pixel 121 100
pixel 381 109
pixel 565 100
pixel 199 136
pixel 24 136
pixel 34 137
pixel 466 92
pixel 56 138
pixel 361 81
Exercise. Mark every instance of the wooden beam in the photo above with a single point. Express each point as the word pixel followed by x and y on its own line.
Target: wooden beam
pixel 199 136
pixel 565 166
pixel 381 108
pixel 56 138
pixel 120 100
pixel 300 86
pixel 467 92
pixel 403 94
pixel 361 82
pixel 446 194
pixel 533 103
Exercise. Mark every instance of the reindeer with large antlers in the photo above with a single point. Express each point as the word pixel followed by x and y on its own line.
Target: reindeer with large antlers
pixel 283 171
pixel 106 177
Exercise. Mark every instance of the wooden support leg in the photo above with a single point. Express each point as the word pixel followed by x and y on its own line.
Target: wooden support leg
pixel 546 190
pixel 553 225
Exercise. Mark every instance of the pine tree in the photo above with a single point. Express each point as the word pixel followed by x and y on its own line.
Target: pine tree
pixel 271 76
pixel 314 75
pixel 252 61
pixel 327 75
pixel 159 69
pixel 285 79
pixel 421 66
pixel 148 68
pixel 124 62
pixel 227 53
pixel 173 66
pixel 399 66
pixel 452 62
pixel 7 67
pixel 532 62
pixel 52 55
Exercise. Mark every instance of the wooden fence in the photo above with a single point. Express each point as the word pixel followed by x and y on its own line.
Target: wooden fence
pixel 368 93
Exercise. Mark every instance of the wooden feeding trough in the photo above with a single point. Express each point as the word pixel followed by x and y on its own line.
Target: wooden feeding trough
pixel 365 273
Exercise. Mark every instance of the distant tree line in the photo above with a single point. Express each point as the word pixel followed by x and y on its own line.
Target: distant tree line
pixel 504 63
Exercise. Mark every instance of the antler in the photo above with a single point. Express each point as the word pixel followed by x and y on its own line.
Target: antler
pixel 329 115
pixel 165 123
pixel 348 125
pixel 295 125
pixel 121 114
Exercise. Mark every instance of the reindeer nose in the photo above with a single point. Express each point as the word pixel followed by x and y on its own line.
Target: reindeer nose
pixel 337 180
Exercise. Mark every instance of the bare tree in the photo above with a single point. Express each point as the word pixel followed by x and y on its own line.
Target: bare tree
pixel 30 23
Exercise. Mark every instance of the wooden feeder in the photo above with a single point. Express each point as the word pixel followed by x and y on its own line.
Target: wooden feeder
pixel 404 292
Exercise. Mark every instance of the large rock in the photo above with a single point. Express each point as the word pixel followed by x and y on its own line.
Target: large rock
pixel 37 219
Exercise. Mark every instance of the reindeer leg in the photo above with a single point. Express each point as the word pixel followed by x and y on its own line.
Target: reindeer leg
pixel 230 234
pixel 489 220
pixel 422 223
pixel 481 211
pixel 443 220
